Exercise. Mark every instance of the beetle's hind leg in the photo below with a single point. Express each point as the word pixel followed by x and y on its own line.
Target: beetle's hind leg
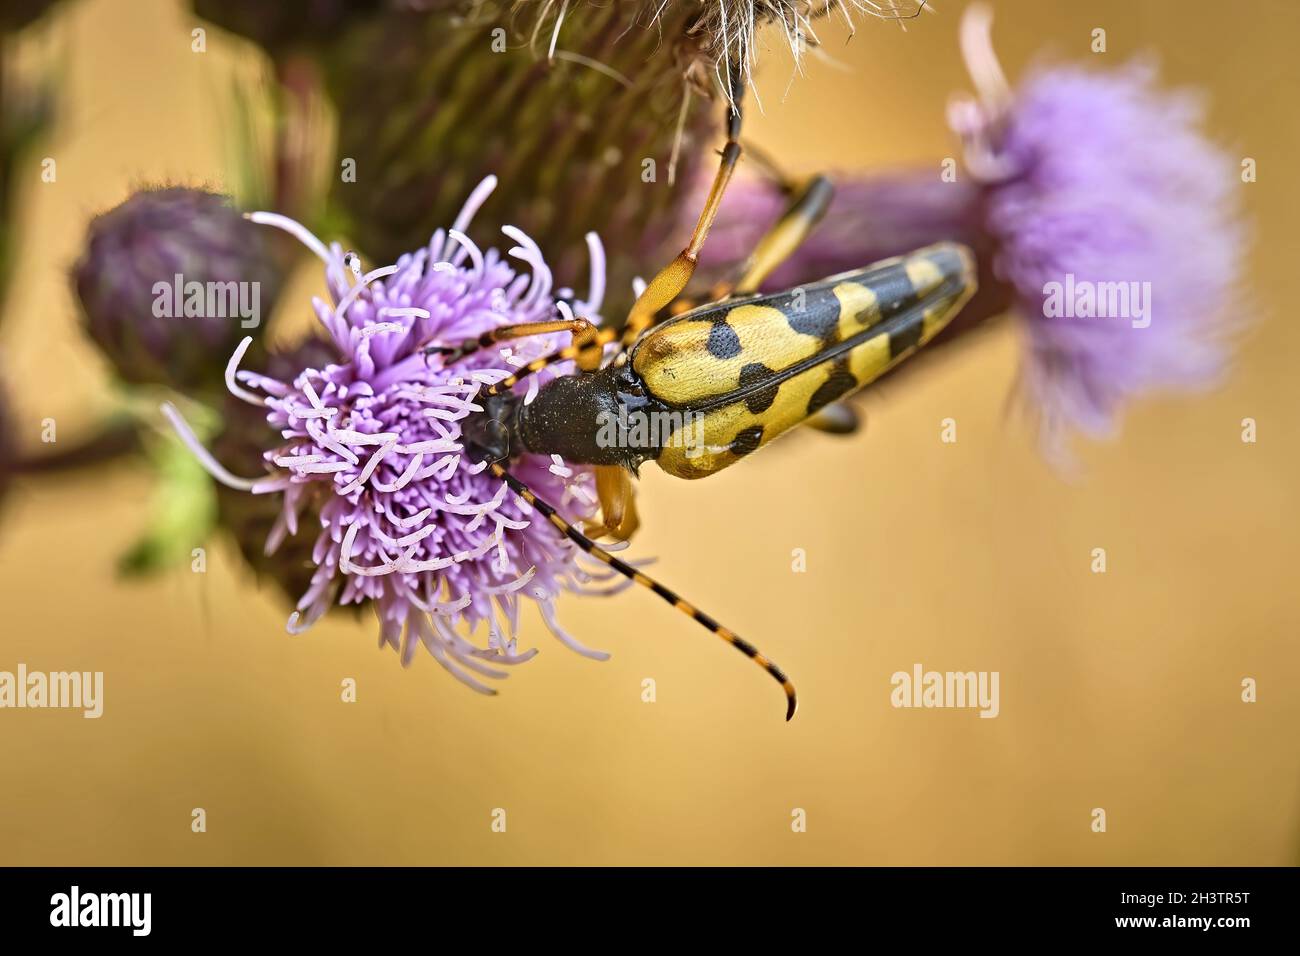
pixel 778 244
pixel 837 418
pixel 808 204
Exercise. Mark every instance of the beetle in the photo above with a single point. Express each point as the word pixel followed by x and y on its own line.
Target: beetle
pixel 728 376
pixel 739 373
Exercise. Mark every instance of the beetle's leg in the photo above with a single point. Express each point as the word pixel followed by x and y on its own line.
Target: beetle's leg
pixel 668 284
pixel 837 418
pixel 625 569
pixel 617 497
pixel 784 238
pixel 587 355
pixel 774 247
pixel 583 332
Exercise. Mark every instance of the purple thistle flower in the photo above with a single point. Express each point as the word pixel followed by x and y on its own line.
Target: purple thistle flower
pixel 372 445
pixel 1102 177
pixel 1078 178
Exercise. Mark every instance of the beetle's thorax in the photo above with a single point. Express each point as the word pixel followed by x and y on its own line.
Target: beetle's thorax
pixel 585 419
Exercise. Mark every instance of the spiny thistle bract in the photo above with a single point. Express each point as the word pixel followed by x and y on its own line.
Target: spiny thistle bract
pixel 582 108
pixel 581 117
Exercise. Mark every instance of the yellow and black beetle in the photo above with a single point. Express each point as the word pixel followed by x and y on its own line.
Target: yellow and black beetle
pixel 744 370
pixel 747 370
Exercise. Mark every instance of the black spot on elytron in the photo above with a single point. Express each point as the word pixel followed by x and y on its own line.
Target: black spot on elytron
pixel 893 288
pixel 905 338
pixel 841 380
pixel 746 441
pixel 813 311
pixel 753 374
pixel 724 343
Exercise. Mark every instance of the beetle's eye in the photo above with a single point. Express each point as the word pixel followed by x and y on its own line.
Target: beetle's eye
pixel 628 381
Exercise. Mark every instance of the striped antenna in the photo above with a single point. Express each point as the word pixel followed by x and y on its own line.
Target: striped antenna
pixel 589 546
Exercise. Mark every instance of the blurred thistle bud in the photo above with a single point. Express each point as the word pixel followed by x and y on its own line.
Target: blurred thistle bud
pixel 170 278
pixel 1116 223
pixel 285 26
pixel 727 30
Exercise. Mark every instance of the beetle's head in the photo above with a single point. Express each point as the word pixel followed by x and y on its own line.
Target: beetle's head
pixel 585 419
pixel 488 435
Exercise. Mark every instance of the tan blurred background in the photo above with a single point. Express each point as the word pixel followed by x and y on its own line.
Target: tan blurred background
pixel 1119 691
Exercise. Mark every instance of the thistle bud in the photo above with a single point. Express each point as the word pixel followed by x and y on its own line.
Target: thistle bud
pixel 170 278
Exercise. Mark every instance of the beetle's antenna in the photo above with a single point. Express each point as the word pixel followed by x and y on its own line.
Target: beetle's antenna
pixel 589 546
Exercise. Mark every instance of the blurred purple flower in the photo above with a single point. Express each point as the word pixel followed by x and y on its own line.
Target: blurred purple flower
pixel 1102 177
pixel 1077 178
pixel 372 444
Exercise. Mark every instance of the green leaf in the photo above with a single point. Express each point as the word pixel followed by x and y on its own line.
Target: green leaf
pixel 184 511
